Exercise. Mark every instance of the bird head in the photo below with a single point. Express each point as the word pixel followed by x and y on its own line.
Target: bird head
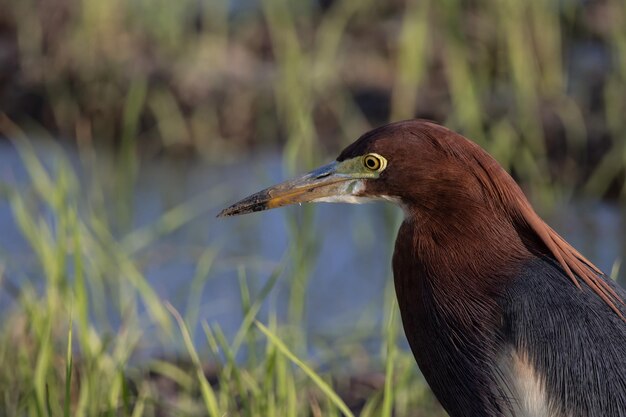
pixel 405 162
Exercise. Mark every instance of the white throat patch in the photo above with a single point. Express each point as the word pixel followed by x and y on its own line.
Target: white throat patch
pixel 350 194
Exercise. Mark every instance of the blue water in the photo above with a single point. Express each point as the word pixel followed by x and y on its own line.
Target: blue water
pixel 353 244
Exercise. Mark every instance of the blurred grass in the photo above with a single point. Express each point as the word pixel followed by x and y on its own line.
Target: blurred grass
pixel 151 77
pixel 215 78
pixel 85 310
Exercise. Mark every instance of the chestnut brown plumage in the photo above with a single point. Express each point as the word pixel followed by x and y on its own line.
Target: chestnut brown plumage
pixel 503 316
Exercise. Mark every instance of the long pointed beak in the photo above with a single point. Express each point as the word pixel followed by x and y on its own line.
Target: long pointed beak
pixel 322 183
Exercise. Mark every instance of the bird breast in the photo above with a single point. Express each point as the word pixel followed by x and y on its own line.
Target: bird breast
pixel 526 386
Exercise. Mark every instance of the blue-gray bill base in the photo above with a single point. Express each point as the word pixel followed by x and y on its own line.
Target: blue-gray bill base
pixel 503 316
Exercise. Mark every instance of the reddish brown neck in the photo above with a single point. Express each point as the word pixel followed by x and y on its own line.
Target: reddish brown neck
pixel 448 282
pixel 480 244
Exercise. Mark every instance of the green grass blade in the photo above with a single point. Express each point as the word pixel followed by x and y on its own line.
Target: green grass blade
pixel 201 276
pixel 208 395
pixel 322 385
pixel 391 333
pixel 68 372
pixel 42 366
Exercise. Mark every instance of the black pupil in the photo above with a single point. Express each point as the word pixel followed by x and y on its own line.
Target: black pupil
pixel 371 162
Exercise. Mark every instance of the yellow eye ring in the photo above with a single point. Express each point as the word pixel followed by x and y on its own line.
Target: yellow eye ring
pixel 374 162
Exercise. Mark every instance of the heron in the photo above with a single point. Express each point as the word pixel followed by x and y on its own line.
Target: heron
pixel 503 316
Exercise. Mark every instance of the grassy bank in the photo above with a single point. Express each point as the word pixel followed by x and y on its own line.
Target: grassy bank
pixel 84 333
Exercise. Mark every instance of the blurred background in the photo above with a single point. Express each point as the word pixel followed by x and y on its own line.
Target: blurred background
pixel 126 125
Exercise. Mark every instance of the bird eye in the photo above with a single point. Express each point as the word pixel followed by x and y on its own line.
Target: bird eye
pixel 374 162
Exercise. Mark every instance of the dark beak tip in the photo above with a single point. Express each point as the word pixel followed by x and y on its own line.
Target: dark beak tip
pixel 227 212
pixel 251 204
pixel 238 209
